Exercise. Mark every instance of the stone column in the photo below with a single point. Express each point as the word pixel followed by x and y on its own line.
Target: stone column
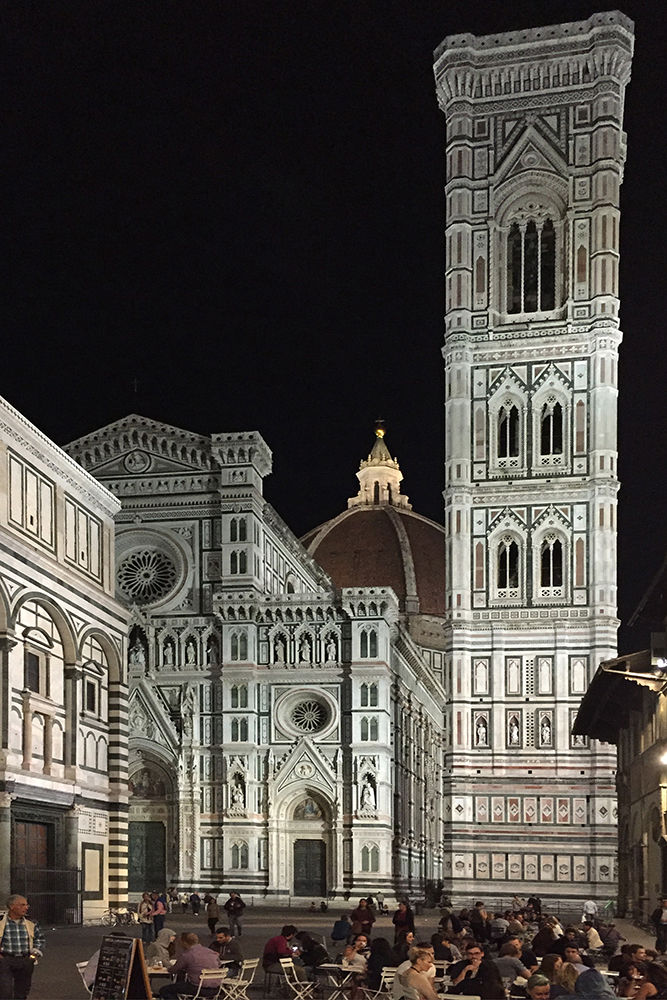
pixel 27 732
pixel 5 844
pixel 7 643
pixel 71 838
pixel 48 743
pixel 72 678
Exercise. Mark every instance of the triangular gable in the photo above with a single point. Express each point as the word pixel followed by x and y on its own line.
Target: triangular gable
pixel 136 446
pixel 304 763
pixel 529 150
pixel 508 517
pixel 552 516
pixel 148 720
pixel 551 375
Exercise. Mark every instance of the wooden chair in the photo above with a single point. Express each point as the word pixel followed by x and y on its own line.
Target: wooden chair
pixel 237 988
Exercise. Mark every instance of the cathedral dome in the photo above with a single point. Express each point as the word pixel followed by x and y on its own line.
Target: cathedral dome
pixel 381 542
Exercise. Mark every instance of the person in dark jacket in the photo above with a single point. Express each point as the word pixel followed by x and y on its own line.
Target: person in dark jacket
pixel 381 957
pixel 312 953
pixel 341 930
pixel 403 920
pixel 227 947
pixel 234 908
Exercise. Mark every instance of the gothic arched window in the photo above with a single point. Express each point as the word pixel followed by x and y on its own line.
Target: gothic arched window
pixel 508 431
pixel 363 645
pixel 234 695
pixel 243 562
pixel 364 696
pixel 233 530
pixel 234 563
pixel 364 729
pixel 243 731
pixel 508 565
pixel 372 644
pixel 235 730
pixel 242 529
pixel 551 429
pixel 373 729
pixel 240 854
pixel 243 694
pixel 370 858
pixel 373 693
pixel 551 567
pixel 235 648
pixel 531 267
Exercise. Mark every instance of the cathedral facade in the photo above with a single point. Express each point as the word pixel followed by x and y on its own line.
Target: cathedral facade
pixel 286 733
pixel 535 154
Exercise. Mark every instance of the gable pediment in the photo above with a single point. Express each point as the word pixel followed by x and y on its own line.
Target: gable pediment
pixel 147 719
pixel 304 763
pixel 529 150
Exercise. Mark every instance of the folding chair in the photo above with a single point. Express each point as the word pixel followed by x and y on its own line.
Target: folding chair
pixel 208 978
pixel 301 988
pixel 237 988
pixel 81 968
pixel 385 988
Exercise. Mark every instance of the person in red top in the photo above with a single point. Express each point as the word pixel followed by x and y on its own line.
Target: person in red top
pixel 280 947
pixel 362 919
pixel 192 960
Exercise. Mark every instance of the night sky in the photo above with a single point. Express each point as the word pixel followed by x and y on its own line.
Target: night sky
pixel 229 216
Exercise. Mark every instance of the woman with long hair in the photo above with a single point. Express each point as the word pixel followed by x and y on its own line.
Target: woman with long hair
pixel 633 982
pixel 403 920
pixel 415 977
pixel 381 957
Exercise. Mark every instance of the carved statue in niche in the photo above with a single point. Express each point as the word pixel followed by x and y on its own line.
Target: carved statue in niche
pixel 168 655
pixel 332 652
pixel 513 731
pixel 212 651
pixel 481 732
pixel 237 796
pixel 280 650
pixel 190 652
pixel 139 723
pixel 137 655
pixel 187 708
pixel 304 650
pixel 545 731
pixel 368 799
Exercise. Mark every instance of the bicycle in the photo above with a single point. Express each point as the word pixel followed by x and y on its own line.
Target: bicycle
pixel 123 915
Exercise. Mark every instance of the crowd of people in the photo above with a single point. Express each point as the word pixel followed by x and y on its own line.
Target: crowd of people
pixel 154 907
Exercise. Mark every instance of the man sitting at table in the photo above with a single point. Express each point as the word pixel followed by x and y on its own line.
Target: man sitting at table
pixel 193 959
pixel 227 947
pixel 280 947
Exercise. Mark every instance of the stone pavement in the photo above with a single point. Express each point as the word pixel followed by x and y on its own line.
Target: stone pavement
pixel 56 977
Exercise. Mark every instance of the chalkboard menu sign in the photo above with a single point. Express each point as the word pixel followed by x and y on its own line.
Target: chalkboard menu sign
pixel 121 970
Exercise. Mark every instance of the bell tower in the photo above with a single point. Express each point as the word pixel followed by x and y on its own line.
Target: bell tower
pixel 535 154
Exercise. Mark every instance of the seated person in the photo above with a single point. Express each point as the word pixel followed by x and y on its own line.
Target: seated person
pixel 633 981
pixel 279 947
pixel 442 948
pixel 404 942
pixel 469 964
pixel 312 953
pixel 381 957
pixel 415 976
pixel 579 961
pixel 227 946
pixel 158 951
pixel 193 959
pixel 528 957
pixel 538 987
pixel 341 930
pixel 354 953
pixel 592 983
pixel 509 963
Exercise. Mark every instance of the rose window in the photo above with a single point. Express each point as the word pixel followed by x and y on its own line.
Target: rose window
pixel 309 716
pixel 146 576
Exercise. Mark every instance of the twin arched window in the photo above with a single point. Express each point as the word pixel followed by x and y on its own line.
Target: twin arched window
pixel 369 729
pixel 369 695
pixel 239 646
pixel 239 696
pixel 531 267
pixel 238 562
pixel 369 645
pixel 370 858
pixel 238 529
pixel 508 431
pixel 508 565
pixel 240 854
pixel 551 563
pixel 239 730
pixel 551 428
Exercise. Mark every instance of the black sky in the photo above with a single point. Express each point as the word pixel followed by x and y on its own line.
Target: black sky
pixel 239 205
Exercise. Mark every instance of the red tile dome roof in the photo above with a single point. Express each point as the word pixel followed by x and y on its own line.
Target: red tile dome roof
pixel 380 545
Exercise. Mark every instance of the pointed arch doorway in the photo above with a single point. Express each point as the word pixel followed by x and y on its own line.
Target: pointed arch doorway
pixel 309 827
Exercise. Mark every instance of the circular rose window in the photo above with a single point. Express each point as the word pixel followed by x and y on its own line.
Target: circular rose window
pixel 146 576
pixel 310 716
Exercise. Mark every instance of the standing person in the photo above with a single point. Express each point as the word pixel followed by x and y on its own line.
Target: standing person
pixel 590 911
pixel 158 913
pixel 212 914
pixel 362 919
pixel 479 920
pixel 659 921
pixel 184 901
pixel 403 920
pixel 234 908
pixel 195 903
pixel 145 913
pixel 21 943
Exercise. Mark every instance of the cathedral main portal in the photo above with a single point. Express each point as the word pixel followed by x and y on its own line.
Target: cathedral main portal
pixel 310 867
